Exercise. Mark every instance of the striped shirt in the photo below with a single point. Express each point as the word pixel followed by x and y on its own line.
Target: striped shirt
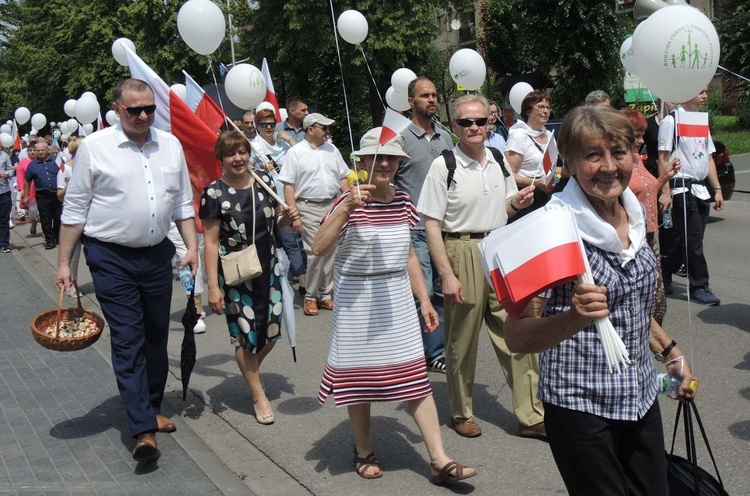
pixel 574 374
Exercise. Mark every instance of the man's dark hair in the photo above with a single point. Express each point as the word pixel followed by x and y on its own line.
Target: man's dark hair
pixel 413 84
pixel 293 101
pixel 135 85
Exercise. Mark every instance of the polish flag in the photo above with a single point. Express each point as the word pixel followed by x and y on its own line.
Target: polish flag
pixel 99 122
pixel 17 136
pixel 203 105
pixel 270 92
pixel 692 124
pixel 527 257
pixel 549 161
pixel 173 115
pixel 393 125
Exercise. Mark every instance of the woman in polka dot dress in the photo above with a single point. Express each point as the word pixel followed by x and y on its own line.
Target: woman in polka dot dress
pixel 252 309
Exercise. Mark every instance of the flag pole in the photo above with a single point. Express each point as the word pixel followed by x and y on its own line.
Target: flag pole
pixel 231 35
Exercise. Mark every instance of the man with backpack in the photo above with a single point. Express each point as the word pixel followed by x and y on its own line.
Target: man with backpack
pixel 469 192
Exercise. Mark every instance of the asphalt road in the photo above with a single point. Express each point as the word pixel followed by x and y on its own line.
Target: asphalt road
pixel 308 449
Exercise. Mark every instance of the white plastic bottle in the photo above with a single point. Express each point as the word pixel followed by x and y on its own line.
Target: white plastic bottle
pixel 668 384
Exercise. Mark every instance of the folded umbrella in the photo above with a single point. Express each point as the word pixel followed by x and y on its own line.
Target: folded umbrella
pixel 188 352
pixel 287 302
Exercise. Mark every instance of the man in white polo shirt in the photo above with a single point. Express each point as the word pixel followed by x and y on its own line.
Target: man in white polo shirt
pixel 480 197
pixel 314 174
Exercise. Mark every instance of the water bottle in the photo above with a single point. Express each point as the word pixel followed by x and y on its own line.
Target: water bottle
pixel 186 278
pixel 668 384
pixel 667 219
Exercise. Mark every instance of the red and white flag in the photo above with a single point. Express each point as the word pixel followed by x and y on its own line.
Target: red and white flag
pixel 270 92
pixel 393 125
pixel 100 122
pixel 532 255
pixel 549 161
pixel 173 115
pixel 203 105
pixel 692 124
pixel 16 136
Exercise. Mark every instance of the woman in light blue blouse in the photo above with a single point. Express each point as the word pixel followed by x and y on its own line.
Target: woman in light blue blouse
pixel 604 428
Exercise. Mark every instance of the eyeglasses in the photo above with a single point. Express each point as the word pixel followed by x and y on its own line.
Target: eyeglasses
pixel 266 125
pixel 542 108
pixel 481 122
pixel 324 128
pixel 136 111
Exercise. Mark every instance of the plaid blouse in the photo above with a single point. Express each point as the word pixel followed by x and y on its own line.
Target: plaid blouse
pixel 574 374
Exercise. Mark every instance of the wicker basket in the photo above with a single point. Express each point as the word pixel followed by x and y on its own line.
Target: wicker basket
pixel 45 319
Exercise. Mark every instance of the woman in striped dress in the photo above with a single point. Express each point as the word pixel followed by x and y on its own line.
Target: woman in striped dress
pixel 376 346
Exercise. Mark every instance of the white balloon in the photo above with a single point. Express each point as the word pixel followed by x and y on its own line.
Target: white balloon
pixel 468 69
pixel 70 107
pixel 401 78
pixel 88 129
pixel 53 124
pixel 112 118
pixel 38 121
pixel 9 122
pixel 245 86
pixel 65 137
pixel 517 93
pixel 6 140
pixel 72 125
pixel 87 109
pixel 64 127
pixel 352 26
pixel 201 25
pixel 88 94
pixel 396 100
pixel 180 90
pixel 22 115
pixel 676 52
pixel 627 55
pixel 118 52
pixel 6 129
pixel 57 133
pixel 33 132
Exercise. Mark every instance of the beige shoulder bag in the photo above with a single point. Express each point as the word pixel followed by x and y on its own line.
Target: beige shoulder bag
pixel 244 265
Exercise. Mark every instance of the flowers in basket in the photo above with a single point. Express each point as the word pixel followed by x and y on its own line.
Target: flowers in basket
pixel 77 328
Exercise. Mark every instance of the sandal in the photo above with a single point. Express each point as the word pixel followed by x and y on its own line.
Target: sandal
pixel 365 463
pixel 451 472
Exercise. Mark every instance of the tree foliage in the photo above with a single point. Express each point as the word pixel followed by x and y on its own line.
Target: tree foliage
pixel 732 25
pixel 53 50
pixel 574 42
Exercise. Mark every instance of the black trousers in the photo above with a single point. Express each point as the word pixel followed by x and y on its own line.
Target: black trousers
pixel 134 289
pixel 677 249
pixel 599 456
pixel 5 208
pixel 50 211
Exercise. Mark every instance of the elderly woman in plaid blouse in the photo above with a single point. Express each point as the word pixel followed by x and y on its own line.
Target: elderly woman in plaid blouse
pixel 604 428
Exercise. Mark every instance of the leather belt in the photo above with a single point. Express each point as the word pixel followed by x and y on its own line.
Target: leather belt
pixel 465 236
pixel 677 182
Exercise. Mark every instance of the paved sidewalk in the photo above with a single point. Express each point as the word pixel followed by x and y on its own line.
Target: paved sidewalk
pixel 63 427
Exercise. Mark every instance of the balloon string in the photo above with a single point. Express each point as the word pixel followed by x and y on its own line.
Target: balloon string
pixel 216 84
pixel 453 136
pixel 343 82
pixel 733 73
pixel 374 84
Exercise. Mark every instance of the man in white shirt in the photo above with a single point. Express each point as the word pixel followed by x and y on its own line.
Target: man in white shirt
pixel 129 182
pixel 686 191
pixel 480 197
pixel 314 174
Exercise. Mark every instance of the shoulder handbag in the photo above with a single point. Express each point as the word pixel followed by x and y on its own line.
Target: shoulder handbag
pixel 244 265
pixel 684 476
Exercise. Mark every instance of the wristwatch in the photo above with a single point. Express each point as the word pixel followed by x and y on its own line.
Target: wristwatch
pixel 660 357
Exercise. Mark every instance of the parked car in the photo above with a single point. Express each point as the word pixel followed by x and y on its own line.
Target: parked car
pixel 725 171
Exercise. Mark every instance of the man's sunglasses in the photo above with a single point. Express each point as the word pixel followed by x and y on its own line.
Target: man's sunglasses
pixel 266 125
pixel 481 122
pixel 136 111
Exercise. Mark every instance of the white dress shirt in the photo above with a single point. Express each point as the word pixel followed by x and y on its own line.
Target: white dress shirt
pixel 316 173
pixel 126 194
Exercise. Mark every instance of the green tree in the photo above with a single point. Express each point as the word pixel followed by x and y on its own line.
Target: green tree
pixel 575 43
pixel 732 21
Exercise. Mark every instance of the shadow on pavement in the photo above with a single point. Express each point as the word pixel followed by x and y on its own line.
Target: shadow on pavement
pixel 734 314
pixel 110 414
pixel 487 407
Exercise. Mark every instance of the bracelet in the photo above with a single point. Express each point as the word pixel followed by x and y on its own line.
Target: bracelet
pixel 717 187
pixel 675 359
pixel 513 206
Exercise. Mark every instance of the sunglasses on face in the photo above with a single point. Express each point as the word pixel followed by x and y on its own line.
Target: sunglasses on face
pixel 324 128
pixel 136 111
pixel 481 122
pixel 266 125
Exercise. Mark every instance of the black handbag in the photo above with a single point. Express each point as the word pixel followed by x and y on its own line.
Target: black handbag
pixel 684 476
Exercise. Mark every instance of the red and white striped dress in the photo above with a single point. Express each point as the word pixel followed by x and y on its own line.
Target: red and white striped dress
pixel 376 344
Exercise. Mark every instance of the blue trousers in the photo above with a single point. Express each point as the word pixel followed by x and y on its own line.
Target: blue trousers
pixel 134 289
pixel 434 342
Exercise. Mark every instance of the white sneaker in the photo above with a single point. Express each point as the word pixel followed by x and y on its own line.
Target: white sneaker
pixel 200 326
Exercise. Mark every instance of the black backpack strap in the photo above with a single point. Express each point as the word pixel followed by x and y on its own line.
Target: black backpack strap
pixel 450 164
pixel 499 159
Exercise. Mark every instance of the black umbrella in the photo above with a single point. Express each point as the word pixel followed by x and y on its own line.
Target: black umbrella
pixel 187 355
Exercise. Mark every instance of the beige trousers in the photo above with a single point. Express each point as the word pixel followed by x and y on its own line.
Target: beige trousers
pixel 462 325
pixel 319 269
